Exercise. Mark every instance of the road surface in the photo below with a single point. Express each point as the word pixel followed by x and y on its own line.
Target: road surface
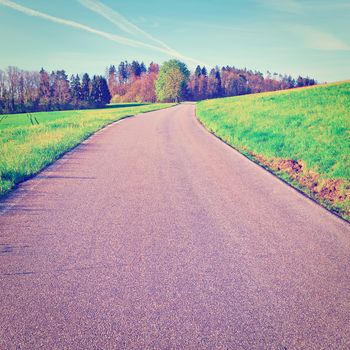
pixel 153 234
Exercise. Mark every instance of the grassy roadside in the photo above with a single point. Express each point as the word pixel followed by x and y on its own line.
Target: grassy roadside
pixel 301 135
pixel 27 147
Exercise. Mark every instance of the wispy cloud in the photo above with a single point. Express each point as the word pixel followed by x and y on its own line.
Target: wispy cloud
pixel 120 21
pixel 317 39
pixel 112 37
pixel 125 25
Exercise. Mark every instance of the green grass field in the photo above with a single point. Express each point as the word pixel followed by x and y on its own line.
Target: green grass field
pixel 302 135
pixel 27 148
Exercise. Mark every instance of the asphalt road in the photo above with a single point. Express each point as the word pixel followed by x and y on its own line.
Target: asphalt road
pixel 153 234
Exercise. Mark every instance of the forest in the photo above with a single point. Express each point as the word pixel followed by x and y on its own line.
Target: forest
pixel 28 91
pixel 24 91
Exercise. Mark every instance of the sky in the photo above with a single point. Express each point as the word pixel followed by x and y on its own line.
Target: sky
pixel 297 37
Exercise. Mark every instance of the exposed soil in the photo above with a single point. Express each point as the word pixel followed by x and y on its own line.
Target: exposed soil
pixel 335 191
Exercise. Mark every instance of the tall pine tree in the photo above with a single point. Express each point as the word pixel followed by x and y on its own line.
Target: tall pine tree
pixel 100 95
pixel 75 88
pixel 198 72
pixel 85 90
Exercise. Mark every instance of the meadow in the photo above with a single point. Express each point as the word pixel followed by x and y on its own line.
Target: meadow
pixel 30 142
pixel 302 135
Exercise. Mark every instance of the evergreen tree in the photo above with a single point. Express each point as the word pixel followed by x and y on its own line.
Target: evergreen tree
pixel 105 93
pixel 204 71
pixel 143 68
pixel 214 84
pixel 111 70
pixel 135 69
pixel 123 72
pixel 300 81
pixel 75 88
pixel 85 89
pixel 218 77
pixel 100 95
pixel 198 72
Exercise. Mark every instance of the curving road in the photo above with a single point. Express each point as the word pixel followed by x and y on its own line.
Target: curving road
pixel 153 234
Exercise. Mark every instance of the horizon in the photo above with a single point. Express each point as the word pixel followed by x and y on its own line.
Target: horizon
pixel 293 38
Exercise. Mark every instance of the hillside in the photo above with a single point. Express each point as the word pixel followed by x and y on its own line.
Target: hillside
pixel 302 135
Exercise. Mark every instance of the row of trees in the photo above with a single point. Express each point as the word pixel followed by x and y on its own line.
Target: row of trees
pixel 23 91
pixel 129 82
pixel 134 82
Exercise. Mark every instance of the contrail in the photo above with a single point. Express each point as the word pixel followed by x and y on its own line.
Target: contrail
pixel 121 22
pixel 116 38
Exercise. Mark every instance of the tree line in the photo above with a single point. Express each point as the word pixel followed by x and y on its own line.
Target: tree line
pixel 173 81
pixel 133 82
pixel 24 91
pixel 231 81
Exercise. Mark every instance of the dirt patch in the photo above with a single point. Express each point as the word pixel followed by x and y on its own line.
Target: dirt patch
pixel 334 191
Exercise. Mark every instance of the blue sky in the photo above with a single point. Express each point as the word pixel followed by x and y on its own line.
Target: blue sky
pixel 307 37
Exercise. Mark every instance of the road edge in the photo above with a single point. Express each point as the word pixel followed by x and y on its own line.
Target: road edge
pixel 6 196
pixel 269 170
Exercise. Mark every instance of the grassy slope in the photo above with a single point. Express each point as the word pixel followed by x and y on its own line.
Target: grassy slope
pixel 26 149
pixel 303 135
